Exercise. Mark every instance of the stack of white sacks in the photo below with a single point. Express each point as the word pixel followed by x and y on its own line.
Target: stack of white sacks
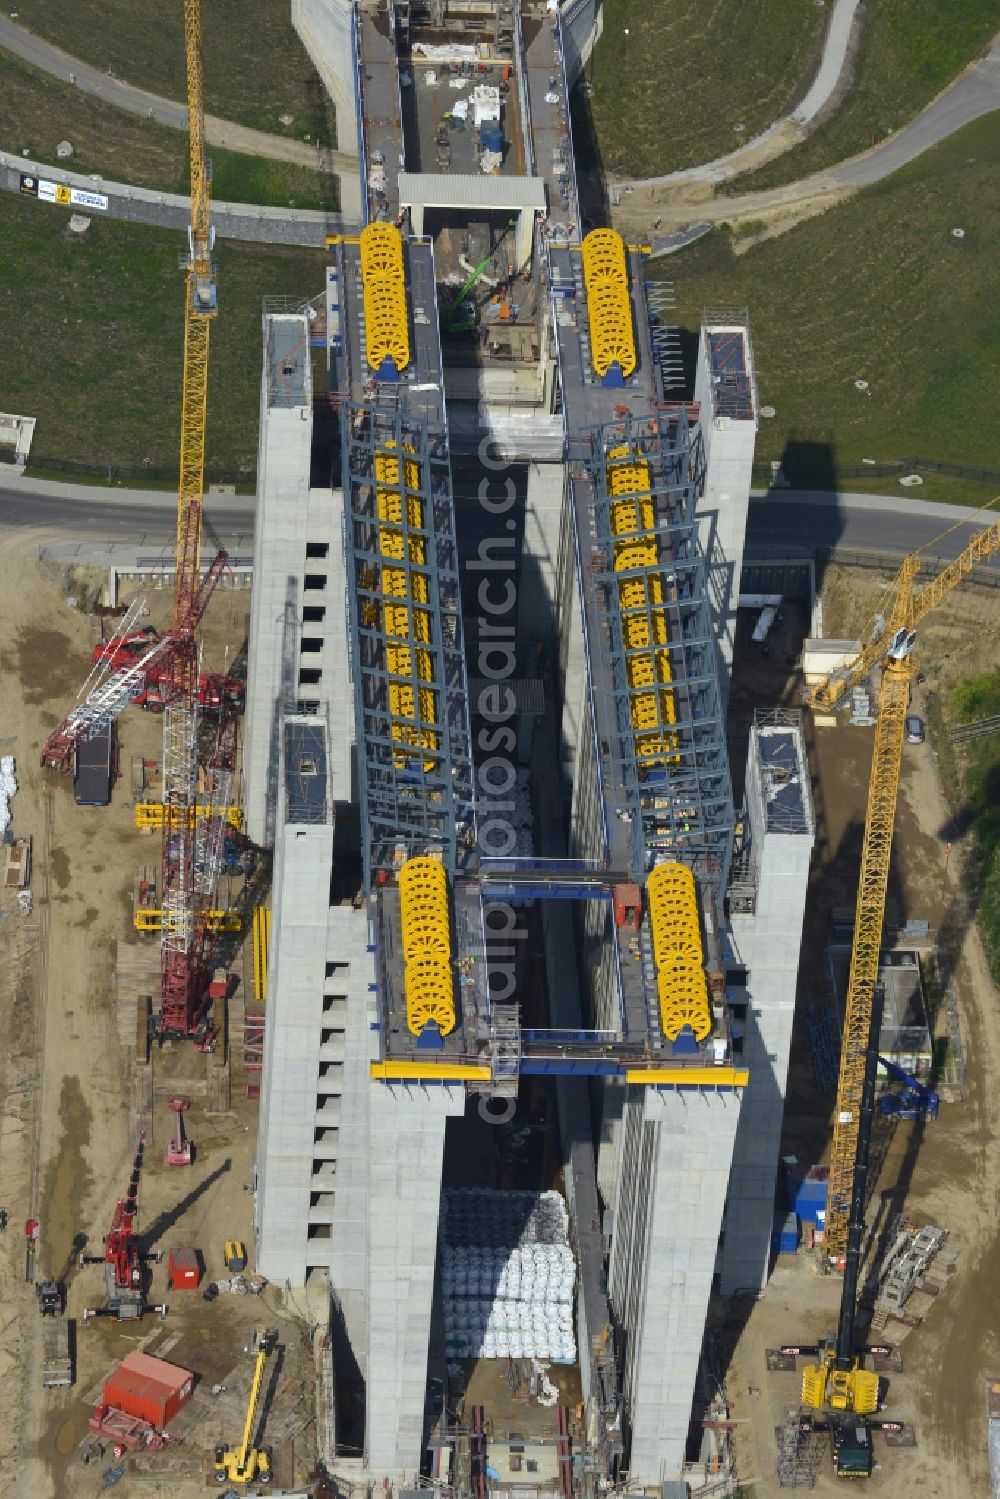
pixel 508 1276
pixel 8 786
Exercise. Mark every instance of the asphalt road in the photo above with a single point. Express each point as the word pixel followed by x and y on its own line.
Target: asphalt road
pixel 797 519
pixel 975 93
pixel 887 524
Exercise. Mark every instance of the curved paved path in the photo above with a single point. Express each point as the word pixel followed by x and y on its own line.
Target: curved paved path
pixel 975 93
pixel 788 130
pixel 90 80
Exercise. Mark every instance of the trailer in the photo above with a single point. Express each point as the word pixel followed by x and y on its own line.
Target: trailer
pixel 17 875
pixel 125 1430
pixel 57 1361
pixel 92 775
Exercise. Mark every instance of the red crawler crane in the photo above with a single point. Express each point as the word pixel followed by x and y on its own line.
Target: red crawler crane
pixel 122 1258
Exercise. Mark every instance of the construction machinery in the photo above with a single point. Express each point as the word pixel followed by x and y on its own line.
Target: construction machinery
pixel 184 935
pixel 123 1258
pixel 913 1101
pixel 234 1255
pixel 459 318
pixel 51 1296
pixel 163 670
pixel 178 1151
pixel 246 1463
pixel 839 1381
pixel 132 667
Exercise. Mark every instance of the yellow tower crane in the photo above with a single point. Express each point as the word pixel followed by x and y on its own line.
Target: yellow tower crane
pixel 839 1380
pixel 182 1000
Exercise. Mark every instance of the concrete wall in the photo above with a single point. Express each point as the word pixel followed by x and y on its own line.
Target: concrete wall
pixel 722 510
pixel 280 531
pixel 543 512
pixel 672 1153
pixel 298 618
pixel 291 1070
pixel 406 1152
pixel 768 942
pixel 582 27
pixel 326 31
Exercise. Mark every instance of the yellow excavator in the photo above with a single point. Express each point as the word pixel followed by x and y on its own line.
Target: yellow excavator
pixel 247 1464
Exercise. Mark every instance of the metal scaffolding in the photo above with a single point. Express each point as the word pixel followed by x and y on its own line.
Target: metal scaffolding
pixel 680 804
pixel 410 687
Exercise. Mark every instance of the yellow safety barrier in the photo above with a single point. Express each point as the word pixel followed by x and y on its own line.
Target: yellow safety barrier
pixel 691 1077
pixel 147 919
pixel 150 815
pixel 681 985
pixel 383 286
pixel 639 599
pixel 414 714
pixel 609 307
pixel 261 950
pixel 428 979
pixel 429 1071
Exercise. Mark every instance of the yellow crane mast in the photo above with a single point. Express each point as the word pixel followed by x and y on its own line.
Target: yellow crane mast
pixel 893 651
pixel 183 882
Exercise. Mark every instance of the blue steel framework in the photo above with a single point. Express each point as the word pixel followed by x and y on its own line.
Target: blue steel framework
pixel 427 802
pixel 683 810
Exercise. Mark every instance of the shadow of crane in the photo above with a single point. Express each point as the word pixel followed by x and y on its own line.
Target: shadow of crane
pixel 167 1220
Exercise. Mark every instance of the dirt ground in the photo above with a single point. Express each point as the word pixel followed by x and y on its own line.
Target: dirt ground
pixel 66 1144
pixel 947 1172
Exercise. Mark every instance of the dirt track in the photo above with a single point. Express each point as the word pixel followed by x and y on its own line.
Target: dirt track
pixel 65 1077
pixel 947 1172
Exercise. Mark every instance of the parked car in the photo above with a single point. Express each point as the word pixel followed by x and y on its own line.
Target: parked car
pixel 914 729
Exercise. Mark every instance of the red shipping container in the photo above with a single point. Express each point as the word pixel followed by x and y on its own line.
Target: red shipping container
pixel 184 1269
pixel 148 1388
pixel 628 906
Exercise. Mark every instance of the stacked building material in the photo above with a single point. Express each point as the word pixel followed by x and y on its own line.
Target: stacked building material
pixel 508 1276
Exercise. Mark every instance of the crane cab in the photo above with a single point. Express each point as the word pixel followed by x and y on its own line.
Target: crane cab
pixel 255 1469
pixel 855 1389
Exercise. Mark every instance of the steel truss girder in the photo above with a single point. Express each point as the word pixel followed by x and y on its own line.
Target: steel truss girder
pixel 688 810
pixel 427 801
